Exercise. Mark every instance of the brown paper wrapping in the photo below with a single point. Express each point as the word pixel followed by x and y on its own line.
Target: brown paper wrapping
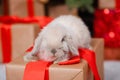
pixel 44 1
pixel 55 11
pixel 78 71
pixel 15 69
pixel 106 4
pixel 99 50
pixel 112 53
pixel 19 8
pixel 23 36
pixel 75 71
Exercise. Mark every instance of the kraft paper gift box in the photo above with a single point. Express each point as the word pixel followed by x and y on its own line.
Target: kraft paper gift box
pixel 55 11
pixel 15 39
pixel 23 8
pixel 79 71
pixel 111 4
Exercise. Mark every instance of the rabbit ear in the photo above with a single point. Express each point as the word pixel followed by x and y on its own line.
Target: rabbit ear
pixel 65 46
pixel 37 44
pixel 71 45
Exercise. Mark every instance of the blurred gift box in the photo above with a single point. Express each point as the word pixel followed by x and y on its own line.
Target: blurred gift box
pixel 55 11
pixel 15 39
pixel 24 8
pixel 111 4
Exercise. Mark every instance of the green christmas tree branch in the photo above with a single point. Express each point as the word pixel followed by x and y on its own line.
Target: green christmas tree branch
pixel 84 4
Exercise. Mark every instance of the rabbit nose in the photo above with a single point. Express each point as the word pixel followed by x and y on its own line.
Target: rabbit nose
pixel 53 51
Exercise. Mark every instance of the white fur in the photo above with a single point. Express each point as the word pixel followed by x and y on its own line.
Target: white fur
pixel 63 35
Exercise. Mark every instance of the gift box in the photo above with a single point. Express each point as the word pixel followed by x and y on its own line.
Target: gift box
pixel 112 53
pixel 79 71
pixel 23 8
pixel 55 11
pixel 15 39
pixel 111 4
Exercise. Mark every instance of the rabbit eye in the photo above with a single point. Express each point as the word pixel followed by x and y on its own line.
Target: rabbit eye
pixel 63 39
pixel 53 51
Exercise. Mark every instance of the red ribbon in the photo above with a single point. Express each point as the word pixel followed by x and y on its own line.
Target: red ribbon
pixel 73 60
pixel 6 42
pixel 37 71
pixel 30 8
pixel 31 73
pixel 117 4
pixel 41 20
pixel 89 56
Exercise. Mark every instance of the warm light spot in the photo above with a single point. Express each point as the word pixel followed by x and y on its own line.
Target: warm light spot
pixel 106 11
pixel 111 34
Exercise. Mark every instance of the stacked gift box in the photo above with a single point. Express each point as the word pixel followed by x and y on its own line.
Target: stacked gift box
pixel 21 19
pixel 106 25
pixel 15 39
pixel 18 30
pixel 110 4
pixel 56 8
pixel 36 8
pixel 19 27
pixel 23 8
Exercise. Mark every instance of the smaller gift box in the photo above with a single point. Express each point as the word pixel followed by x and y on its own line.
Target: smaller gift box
pixel 79 71
pixel 24 8
pixel 55 11
pixel 15 39
pixel 111 4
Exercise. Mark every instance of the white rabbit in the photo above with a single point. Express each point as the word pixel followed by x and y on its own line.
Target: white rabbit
pixel 63 35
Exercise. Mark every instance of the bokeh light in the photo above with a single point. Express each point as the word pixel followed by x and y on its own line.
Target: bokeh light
pixel 111 34
pixel 106 11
